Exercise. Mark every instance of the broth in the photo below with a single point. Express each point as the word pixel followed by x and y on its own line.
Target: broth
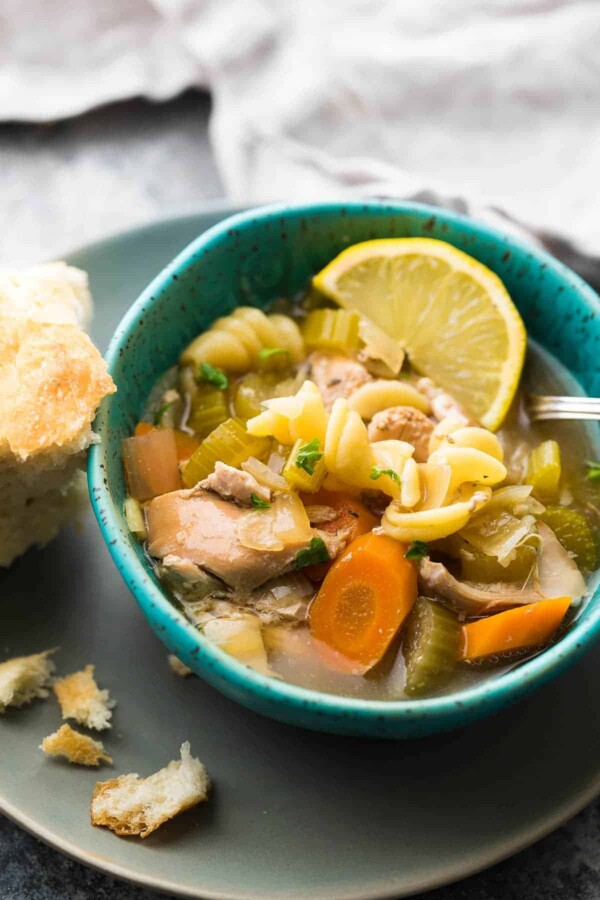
pixel 294 655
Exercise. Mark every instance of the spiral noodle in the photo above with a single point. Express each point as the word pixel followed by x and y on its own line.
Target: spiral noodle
pixel 455 481
pixel 234 342
pixel 351 458
pixel 288 419
pixel 433 524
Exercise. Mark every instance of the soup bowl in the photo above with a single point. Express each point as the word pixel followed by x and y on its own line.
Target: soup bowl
pixel 251 259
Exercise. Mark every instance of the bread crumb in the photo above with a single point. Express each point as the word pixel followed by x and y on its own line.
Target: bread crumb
pixel 76 747
pixel 82 700
pixel 133 805
pixel 24 678
pixel 178 667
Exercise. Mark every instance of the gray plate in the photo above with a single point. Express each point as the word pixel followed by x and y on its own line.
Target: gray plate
pixel 294 814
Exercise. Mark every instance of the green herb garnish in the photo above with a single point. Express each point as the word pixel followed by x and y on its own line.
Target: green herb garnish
pixel 257 503
pixel 157 419
pixel 593 472
pixel 417 550
pixel 376 473
pixel 316 552
pixel 213 375
pixel 268 352
pixel 309 455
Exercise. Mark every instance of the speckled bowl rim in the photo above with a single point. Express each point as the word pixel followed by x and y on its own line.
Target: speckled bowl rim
pixel 494 693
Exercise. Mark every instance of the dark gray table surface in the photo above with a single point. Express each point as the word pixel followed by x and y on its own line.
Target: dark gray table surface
pixel 64 185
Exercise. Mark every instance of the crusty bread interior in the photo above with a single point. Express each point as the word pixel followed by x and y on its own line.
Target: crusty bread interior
pixel 81 699
pixel 24 678
pixel 76 747
pixel 133 805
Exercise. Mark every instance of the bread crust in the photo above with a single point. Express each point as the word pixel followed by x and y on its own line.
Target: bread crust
pixel 81 699
pixel 130 805
pixel 52 380
pixel 79 749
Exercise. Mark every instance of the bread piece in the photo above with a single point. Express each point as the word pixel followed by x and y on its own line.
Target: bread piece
pixel 24 678
pixel 81 699
pixel 51 292
pixel 76 747
pixel 133 805
pixel 178 667
pixel 52 380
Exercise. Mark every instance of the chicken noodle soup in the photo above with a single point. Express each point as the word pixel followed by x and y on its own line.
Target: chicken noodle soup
pixel 319 495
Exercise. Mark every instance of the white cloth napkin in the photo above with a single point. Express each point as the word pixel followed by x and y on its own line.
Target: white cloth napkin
pixel 491 108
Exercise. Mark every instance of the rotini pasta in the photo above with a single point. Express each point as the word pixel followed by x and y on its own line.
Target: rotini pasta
pixel 468 466
pixel 351 458
pixel 433 524
pixel 234 342
pixel 288 419
pixel 371 398
pixel 476 438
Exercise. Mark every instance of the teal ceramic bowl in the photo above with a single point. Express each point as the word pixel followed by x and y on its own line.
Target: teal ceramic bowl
pixel 253 258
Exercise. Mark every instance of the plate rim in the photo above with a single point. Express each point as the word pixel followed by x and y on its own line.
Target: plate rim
pixel 506 850
pixel 502 850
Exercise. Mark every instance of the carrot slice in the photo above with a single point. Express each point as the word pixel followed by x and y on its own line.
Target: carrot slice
pixel 143 428
pixel 352 516
pixel 185 443
pixel 515 629
pixel 151 465
pixel 366 596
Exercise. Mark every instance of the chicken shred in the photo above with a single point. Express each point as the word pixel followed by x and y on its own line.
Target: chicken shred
pixel 336 375
pixel 403 423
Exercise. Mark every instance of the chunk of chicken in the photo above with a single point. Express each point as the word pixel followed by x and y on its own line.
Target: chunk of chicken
pixel 233 484
pixel 443 404
pixel 195 525
pixel 403 423
pixel 186 579
pixel 468 598
pixel 336 375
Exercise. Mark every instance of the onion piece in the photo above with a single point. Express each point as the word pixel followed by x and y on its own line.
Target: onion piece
pixel 515 498
pixel 499 534
pixel 558 575
pixel 241 637
pixel 265 475
pixel 379 348
pixel 284 524
pixel 282 599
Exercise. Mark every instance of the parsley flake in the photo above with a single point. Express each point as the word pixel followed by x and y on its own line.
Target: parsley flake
pixel 157 418
pixel 268 352
pixel 376 473
pixel 316 552
pixel 257 503
pixel 308 456
pixel 417 550
pixel 213 375
pixel 593 472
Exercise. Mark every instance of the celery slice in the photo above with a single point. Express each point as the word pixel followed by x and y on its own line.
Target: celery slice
pixel 209 409
pixel 573 531
pixel 135 519
pixel 543 469
pixel 431 645
pixel 256 387
pixel 229 443
pixel 483 569
pixel 299 475
pixel 331 329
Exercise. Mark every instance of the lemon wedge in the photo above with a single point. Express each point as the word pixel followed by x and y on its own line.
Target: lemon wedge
pixel 451 314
